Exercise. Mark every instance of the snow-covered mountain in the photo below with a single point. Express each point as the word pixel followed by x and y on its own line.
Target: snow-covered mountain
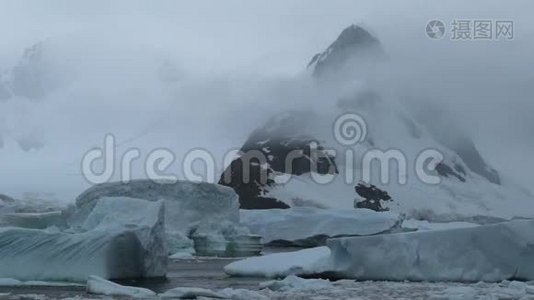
pixel 354 44
pixel 328 173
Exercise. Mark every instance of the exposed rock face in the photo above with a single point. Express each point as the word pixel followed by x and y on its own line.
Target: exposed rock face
pixel 353 42
pixel 251 181
pixel 446 171
pixel 467 150
pixel 436 120
pixel 274 149
pixel 373 197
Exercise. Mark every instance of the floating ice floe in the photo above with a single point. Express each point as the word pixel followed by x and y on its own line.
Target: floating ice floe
pixel 484 253
pixel 293 283
pixel 98 285
pixel 14 282
pixel 302 262
pixel 307 226
pixel 197 293
pixel 190 293
pixel 183 254
pixel 119 238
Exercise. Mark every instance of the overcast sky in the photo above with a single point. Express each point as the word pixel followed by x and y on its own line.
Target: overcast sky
pixel 237 55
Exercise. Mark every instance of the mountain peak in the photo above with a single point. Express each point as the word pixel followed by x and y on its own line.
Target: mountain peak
pixel 353 42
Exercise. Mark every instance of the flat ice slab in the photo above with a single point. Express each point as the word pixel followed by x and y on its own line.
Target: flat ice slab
pixel 484 253
pixel 306 226
pixel 278 265
pixel 421 225
pixel 98 285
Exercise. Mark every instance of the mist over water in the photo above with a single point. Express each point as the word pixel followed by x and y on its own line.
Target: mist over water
pixel 205 74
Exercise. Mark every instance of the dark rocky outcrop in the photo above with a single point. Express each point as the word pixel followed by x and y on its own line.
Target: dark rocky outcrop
pixel 468 152
pixel 251 182
pixel 372 197
pixel 446 171
pixel 270 150
pixel 440 124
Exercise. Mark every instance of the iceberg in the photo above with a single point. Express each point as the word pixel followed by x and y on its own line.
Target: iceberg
pixel 120 238
pixel 309 227
pixel 202 293
pixel 489 253
pixel 188 205
pixel 278 265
